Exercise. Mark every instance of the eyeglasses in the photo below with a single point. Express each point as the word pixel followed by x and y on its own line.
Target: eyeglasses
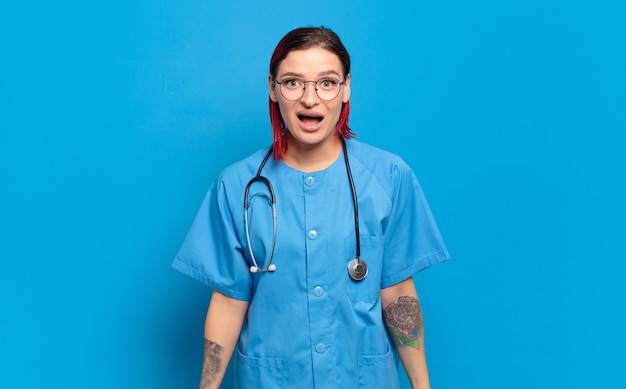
pixel 327 89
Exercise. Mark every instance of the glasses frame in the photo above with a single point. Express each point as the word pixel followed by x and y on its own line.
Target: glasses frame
pixel 304 82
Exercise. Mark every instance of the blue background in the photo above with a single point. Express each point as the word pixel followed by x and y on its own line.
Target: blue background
pixel 116 116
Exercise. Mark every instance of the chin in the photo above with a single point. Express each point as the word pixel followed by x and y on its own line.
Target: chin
pixel 312 138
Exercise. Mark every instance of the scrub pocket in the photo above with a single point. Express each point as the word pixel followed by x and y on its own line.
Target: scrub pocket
pixel 251 372
pixel 378 371
pixel 367 289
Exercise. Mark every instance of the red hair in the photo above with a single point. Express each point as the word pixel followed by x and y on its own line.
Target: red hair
pixel 302 39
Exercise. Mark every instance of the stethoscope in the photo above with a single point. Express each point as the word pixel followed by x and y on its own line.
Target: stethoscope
pixel 357 268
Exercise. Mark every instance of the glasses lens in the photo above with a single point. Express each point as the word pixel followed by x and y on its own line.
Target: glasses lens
pixel 291 88
pixel 328 88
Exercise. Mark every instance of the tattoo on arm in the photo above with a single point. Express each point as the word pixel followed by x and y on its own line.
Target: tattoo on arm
pixel 212 364
pixel 404 321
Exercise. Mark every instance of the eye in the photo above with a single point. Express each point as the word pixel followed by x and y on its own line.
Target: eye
pixel 328 83
pixel 291 83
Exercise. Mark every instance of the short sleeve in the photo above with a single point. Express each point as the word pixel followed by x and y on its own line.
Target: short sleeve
pixel 211 252
pixel 412 240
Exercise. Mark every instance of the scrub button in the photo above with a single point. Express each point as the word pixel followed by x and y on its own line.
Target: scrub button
pixel 309 181
pixel 320 348
pixel 318 291
pixel 312 234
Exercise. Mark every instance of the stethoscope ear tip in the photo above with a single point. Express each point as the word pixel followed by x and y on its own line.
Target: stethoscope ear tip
pixel 255 269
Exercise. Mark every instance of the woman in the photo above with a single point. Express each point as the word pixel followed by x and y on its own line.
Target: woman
pixel 322 295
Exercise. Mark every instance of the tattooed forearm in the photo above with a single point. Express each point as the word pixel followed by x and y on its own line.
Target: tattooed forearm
pixel 212 364
pixel 404 321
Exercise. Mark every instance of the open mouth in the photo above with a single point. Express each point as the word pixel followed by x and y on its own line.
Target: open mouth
pixel 310 118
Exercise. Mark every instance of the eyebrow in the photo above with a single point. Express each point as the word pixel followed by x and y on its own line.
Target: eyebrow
pixel 298 75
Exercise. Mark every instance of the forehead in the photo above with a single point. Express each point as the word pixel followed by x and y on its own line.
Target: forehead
pixel 310 62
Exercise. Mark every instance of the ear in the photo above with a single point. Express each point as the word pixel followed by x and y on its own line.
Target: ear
pixel 346 89
pixel 272 88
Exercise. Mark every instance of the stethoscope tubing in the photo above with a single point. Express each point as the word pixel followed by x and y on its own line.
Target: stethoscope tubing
pixel 270 267
pixel 355 202
pixel 357 268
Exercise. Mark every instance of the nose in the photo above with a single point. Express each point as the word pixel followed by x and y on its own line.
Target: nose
pixel 309 97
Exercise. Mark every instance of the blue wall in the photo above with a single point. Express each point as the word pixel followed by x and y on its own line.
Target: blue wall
pixel 116 116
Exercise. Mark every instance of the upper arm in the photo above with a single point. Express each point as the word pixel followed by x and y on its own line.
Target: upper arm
pixel 223 324
pixel 225 313
pixel 393 292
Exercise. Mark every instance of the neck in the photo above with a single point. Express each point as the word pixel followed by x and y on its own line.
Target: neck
pixel 311 158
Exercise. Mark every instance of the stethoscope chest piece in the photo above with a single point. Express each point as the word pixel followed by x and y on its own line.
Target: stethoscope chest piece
pixel 357 268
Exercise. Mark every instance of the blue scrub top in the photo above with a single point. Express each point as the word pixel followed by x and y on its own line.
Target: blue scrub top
pixel 308 323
